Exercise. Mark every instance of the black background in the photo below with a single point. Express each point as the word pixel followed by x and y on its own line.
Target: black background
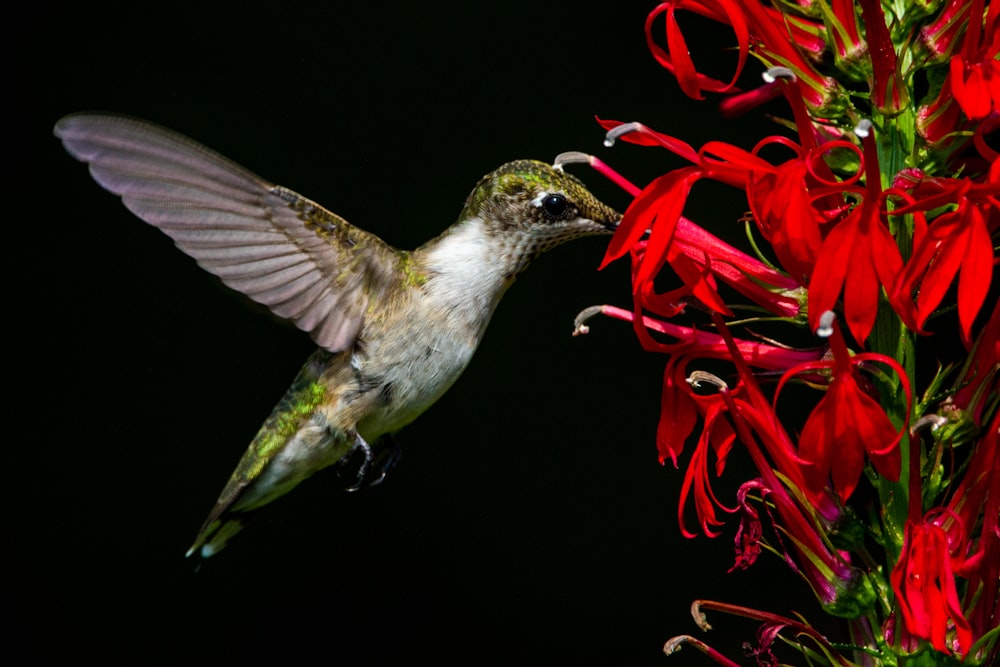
pixel 528 522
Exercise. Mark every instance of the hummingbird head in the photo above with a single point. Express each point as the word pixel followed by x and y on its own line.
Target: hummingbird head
pixel 537 207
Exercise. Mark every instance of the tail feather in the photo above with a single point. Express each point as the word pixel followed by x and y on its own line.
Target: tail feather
pixel 213 537
pixel 294 442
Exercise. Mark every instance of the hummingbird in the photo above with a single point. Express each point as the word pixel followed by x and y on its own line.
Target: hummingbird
pixel 394 328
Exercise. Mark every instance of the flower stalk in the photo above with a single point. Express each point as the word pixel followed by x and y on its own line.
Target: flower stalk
pixel 878 231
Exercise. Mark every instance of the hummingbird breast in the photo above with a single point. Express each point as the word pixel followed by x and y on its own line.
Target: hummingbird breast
pixel 413 348
pixel 407 371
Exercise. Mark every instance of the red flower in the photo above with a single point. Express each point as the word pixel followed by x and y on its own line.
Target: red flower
pixel 923 581
pixel 955 243
pixel 859 257
pixel 889 92
pixel 716 435
pixel 976 86
pixel 938 119
pixel 940 36
pixel 697 257
pixel 776 38
pixel 793 208
pixel 975 72
pixel 846 425
pixel 681 407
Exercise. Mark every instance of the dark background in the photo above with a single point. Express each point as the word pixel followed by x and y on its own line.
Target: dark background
pixel 529 520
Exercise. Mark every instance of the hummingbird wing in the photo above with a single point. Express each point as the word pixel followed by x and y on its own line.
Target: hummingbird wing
pixel 282 250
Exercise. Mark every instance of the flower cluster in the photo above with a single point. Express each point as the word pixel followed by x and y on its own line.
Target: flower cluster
pixel 881 212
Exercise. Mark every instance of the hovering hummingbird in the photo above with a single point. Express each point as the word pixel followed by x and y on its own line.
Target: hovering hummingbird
pixel 394 328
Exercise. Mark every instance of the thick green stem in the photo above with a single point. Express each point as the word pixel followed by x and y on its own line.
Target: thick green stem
pixel 892 338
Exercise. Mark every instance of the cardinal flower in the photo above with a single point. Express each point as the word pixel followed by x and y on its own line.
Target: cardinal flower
pixel 846 425
pixel 924 584
pixel 955 243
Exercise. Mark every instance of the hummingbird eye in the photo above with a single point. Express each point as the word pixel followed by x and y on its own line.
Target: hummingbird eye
pixel 554 205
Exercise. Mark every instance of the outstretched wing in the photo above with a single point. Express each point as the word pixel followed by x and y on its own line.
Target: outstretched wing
pixel 282 250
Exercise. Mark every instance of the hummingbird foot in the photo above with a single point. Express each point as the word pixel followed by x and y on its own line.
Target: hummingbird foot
pixel 366 462
pixel 386 460
pixel 376 462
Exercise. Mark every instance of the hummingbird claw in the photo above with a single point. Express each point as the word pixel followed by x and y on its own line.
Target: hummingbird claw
pixel 366 463
pixel 376 462
pixel 386 460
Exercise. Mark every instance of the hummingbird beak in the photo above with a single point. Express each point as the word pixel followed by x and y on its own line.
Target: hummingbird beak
pixel 612 225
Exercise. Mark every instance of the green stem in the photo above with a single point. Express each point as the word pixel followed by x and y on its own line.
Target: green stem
pixel 892 338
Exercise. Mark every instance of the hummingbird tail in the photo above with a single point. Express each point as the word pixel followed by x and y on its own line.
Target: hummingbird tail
pixel 213 538
pixel 295 441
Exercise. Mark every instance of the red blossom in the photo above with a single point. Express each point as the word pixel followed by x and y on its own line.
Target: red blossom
pixel 842 25
pixel 923 581
pixel 975 72
pixel 776 38
pixel 846 425
pixel 956 243
pixel 716 436
pixel 938 120
pixel 976 86
pixel 793 207
pixel 681 406
pixel 696 256
pixel 941 37
pixel 889 93
pixel 859 257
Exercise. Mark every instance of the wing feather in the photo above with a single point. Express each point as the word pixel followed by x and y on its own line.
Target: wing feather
pixel 273 245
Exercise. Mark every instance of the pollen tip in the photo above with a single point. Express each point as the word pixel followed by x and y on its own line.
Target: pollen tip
pixel 674 644
pixel 571 157
pixel 697 377
pixel 580 322
pixel 624 128
pixel 825 328
pixel 863 128
pixel 772 74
